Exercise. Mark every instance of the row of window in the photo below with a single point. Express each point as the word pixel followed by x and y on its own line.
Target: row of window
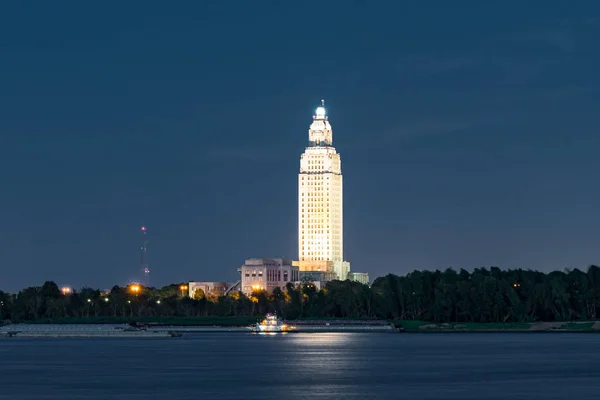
pixel 316 192
pixel 311 227
pixel 317 184
pixel 273 276
pixel 320 196
pixel 314 180
pixel 312 235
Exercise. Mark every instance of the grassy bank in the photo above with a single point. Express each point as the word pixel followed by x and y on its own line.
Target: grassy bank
pixel 568 326
pixel 224 321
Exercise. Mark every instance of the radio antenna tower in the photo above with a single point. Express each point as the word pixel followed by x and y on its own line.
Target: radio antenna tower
pixel 144 258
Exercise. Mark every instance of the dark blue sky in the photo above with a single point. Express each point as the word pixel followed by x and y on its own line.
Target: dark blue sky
pixel 469 134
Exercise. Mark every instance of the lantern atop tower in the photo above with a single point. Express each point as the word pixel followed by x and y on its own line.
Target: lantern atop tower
pixel 320 113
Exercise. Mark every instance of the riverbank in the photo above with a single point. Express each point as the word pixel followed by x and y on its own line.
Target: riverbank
pixel 78 330
pixel 240 324
pixel 171 321
pixel 566 326
pixel 128 331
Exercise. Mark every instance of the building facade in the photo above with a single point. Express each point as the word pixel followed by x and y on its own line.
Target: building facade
pixel 317 276
pixel 320 202
pixel 361 277
pixel 208 288
pixel 267 274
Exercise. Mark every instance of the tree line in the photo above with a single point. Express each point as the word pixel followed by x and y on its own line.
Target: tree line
pixel 483 295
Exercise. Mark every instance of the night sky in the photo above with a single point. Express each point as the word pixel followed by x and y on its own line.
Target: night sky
pixel 469 134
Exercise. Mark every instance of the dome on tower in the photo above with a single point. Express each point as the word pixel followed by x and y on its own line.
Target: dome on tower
pixel 320 112
pixel 319 133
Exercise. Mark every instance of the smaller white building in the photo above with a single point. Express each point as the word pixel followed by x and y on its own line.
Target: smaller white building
pixel 361 277
pixel 267 274
pixel 208 288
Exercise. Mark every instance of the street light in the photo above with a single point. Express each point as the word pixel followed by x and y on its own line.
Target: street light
pixel 135 289
pixel 183 288
pixel 66 290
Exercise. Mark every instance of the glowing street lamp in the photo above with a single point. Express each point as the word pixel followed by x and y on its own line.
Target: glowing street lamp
pixel 135 289
pixel 66 290
pixel 183 288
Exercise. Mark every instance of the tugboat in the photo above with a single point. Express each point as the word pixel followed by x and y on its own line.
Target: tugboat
pixel 271 324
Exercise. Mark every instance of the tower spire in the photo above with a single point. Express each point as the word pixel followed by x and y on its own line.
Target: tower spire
pixel 319 133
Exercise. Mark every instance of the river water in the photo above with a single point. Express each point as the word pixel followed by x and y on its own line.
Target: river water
pixel 305 366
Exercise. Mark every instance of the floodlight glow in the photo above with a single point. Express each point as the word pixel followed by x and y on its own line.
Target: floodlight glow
pixel 320 112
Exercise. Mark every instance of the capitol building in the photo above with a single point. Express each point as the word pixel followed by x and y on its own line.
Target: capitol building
pixel 320 226
pixel 321 207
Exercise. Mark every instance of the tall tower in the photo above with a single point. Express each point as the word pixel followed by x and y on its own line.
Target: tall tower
pixel 320 203
pixel 144 258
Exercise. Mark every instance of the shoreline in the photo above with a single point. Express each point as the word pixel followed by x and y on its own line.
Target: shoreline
pixel 171 328
pixel 511 327
pixel 121 331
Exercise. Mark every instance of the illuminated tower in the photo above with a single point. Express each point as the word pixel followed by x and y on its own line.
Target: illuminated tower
pixel 320 203
pixel 144 258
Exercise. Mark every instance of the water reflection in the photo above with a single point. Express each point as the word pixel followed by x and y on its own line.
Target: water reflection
pixel 335 339
pixel 351 366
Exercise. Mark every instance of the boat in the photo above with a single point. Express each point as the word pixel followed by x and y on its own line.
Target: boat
pixel 271 324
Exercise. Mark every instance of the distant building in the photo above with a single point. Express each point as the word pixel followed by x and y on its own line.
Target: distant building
pixel 214 288
pixel 266 274
pixel 317 276
pixel 236 287
pixel 318 285
pixel 362 277
pixel 322 277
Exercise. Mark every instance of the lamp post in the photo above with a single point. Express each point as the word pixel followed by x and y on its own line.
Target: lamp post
pixel 135 289
pixel 183 288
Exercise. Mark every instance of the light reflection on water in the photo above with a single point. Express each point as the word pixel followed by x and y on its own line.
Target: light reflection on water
pixel 304 366
pixel 319 339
